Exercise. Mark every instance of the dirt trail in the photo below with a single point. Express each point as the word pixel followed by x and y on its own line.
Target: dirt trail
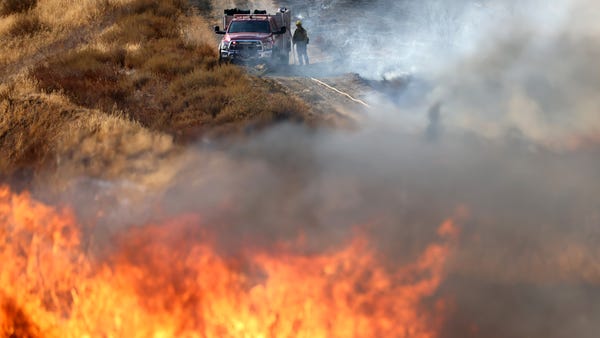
pixel 328 90
pixel 344 105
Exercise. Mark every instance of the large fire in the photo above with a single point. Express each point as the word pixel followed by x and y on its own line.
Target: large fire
pixel 169 280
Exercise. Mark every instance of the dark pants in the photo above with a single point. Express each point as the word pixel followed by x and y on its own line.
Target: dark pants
pixel 302 54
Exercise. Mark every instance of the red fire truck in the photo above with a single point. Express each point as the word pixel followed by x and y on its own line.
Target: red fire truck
pixel 253 37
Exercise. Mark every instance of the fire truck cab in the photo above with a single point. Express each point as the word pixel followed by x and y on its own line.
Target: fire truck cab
pixel 255 36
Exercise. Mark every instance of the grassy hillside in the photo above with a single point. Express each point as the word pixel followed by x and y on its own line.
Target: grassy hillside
pixel 106 88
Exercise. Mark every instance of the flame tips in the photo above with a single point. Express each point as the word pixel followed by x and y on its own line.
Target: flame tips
pixel 170 280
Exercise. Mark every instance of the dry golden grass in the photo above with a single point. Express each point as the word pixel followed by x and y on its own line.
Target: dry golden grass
pixel 68 14
pixel 194 33
pixel 25 25
pixel 46 136
pixel 109 88
pixel 61 22
pixel 168 79
pixel 8 7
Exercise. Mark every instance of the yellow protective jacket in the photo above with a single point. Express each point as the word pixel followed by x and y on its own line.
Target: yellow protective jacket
pixel 300 35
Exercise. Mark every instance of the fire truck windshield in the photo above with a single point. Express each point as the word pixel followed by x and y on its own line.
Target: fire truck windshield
pixel 249 27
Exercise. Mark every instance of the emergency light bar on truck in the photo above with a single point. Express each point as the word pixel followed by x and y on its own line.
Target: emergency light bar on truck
pixel 255 36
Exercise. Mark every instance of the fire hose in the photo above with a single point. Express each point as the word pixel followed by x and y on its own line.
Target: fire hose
pixel 340 92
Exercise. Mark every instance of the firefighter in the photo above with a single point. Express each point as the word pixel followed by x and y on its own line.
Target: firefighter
pixel 300 40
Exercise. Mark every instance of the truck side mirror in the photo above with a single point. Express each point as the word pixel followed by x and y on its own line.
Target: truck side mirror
pixel 281 31
pixel 218 30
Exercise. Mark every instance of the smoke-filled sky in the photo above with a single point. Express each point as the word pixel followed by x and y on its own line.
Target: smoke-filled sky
pixel 517 68
pixel 499 123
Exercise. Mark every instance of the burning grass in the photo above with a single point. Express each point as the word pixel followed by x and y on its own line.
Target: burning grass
pixel 183 286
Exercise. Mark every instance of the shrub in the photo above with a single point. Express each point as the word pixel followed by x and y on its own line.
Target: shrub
pixel 8 7
pixel 224 78
pixel 141 28
pixel 204 6
pixel 28 128
pixel 169 64
pixel 164 8
pixel 89 77
pixel 25 25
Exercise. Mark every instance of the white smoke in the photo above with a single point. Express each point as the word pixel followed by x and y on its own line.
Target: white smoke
pixel 504 68
pixel 532 75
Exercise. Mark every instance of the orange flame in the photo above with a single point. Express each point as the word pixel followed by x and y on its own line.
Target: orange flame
pixel 169 281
